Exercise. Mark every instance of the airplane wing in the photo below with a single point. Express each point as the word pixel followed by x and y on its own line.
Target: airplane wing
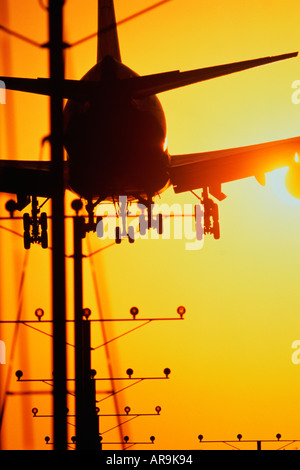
pixel 24 177
pixel 211 169
pixel 138 86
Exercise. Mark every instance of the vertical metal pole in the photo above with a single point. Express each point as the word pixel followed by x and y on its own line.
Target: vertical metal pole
pixel 77 241
pixel 87 426
pixel 58 227
pixel 258 445
pixel 92 441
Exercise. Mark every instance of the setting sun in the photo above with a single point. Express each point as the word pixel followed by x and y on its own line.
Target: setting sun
pixel 277 181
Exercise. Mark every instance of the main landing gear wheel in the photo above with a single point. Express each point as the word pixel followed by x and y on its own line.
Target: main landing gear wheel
pixel 211 218
pixel 44 226
pixel 130 234
pixel 35 229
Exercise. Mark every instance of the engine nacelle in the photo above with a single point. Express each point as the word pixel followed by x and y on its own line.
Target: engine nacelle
pixel 292 179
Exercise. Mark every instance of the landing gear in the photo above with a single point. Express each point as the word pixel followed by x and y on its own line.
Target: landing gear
pixel 211 216
pixel 123 230
pixel 147 219
pixel 130 234
pixel 35 228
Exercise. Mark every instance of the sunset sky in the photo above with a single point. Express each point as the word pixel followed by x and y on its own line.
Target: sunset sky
pixel 231 357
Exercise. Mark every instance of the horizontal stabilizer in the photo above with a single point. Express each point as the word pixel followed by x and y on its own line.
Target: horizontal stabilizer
pixel 137 86
pixel 77 89
pixel 211 169
pixel 144 86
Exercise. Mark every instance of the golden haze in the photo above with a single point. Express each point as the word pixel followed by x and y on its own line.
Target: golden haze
pixel 230 359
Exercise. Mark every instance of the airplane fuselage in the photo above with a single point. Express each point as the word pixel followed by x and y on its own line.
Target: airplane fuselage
pixel 115 143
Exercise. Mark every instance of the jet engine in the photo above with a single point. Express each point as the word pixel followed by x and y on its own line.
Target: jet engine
pixel 292 179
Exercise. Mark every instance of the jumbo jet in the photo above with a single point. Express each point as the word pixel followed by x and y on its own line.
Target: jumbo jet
pixel 115 136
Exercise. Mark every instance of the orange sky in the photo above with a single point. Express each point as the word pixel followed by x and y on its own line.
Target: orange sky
pixel 231 358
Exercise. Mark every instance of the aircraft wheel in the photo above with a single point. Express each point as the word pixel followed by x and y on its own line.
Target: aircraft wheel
pixel 118 235
pixel 216 232
pixel 43 221
pixel 44 239
pixel 131 234
pixel 26 240
pixel 26 222
pixel 198 223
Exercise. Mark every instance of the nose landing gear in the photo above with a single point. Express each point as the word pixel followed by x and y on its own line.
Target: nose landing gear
pixel 123 230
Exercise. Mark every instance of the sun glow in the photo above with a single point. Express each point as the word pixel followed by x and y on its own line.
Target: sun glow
pixel 166 144
pixel 233 367
pixel 277 183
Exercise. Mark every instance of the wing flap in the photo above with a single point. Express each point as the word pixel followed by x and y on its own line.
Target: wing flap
pixel 211 169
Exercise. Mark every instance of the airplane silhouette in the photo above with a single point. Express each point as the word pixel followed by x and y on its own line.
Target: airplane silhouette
pixel 115 139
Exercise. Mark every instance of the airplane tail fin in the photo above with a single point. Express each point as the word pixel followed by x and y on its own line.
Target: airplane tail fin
pixel 108 42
